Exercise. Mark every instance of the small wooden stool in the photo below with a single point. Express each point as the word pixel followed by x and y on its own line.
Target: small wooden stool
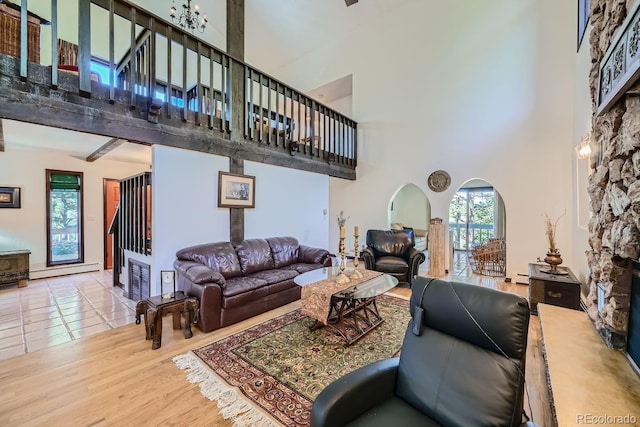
pixel 155 308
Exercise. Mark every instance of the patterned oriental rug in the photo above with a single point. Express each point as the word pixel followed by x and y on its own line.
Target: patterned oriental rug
pixel 269 375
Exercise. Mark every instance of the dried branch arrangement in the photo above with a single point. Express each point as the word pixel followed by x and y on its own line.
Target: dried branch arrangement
pixel 550 230
pixel 342 220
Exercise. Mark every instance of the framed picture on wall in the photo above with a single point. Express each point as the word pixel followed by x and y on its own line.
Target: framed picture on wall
pixel 584 10
pixel 9 197
pixel 236 191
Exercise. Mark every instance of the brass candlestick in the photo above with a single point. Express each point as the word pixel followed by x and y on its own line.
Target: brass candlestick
pixel 356 273
pixel 342 278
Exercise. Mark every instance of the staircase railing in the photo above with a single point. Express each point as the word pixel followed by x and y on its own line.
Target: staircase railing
pixel 274 113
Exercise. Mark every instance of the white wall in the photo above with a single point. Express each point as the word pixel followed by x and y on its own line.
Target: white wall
pixel 25 228
pixel 483 89
pixel 185 204
pixel 289 203
pixel 580 212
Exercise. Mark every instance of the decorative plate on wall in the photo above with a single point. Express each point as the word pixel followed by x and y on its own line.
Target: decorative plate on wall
pixel 439 181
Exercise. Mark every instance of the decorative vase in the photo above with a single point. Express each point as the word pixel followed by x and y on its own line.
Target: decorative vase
pixel 554 259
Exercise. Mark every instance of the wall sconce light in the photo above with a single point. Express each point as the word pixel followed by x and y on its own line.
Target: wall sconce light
pixel 583 150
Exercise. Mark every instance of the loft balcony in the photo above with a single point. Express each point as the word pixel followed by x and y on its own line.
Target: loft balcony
pixel 150 82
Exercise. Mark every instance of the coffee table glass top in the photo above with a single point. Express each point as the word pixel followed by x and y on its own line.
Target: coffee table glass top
pixel 369 289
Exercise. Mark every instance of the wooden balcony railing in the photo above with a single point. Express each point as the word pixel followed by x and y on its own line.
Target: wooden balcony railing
pixel 191 80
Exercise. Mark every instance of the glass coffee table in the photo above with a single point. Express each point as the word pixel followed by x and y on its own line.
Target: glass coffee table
pixel 353 311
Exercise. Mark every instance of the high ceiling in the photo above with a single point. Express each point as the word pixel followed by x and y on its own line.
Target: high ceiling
pixel 269 26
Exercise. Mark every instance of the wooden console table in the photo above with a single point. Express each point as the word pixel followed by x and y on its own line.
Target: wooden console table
pixel 554 289
pixel 14 267
pixel 589 383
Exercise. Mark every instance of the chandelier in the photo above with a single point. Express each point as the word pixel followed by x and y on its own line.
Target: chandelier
pixel 189 19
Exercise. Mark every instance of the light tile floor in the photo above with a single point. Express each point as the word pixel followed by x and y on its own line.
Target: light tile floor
pixel 60 309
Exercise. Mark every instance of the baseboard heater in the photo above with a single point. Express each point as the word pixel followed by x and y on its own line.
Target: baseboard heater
pixel 64 270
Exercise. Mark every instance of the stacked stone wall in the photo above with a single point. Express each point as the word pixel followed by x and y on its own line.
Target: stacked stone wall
pixel 614 187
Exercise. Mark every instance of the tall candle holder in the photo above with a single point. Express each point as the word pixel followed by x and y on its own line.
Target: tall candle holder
pixel 356 273
pixel 342 278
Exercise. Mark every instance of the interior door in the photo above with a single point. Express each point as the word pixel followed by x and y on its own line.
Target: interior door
pixel 111 200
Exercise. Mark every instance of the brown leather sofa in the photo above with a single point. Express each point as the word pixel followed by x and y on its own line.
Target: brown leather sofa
pixel 236 281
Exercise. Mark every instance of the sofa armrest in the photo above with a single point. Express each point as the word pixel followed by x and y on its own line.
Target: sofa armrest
pixel 357 392
pixel 369 258
pixel 414 258
pixel 198 273
pixel 314 255
pixel 197 280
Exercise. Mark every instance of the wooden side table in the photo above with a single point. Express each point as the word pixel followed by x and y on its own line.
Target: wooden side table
pixel 559 290
pixel 154 308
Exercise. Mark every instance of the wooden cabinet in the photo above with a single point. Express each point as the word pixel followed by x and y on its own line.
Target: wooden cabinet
pixel 14 267
pixel 559 290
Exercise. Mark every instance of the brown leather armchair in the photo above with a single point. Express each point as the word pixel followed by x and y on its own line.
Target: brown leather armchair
pixel 393 252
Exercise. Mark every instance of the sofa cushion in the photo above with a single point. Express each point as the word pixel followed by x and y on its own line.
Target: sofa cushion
pixel 240 285
pixel 390 242
pixel 219 256
pixel 254 255
pixel 281 286
pixel 391 264
pixel 284 250
pixel 274 276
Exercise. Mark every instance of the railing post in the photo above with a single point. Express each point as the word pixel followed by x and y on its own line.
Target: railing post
pixel 54 43
pixel 169 78
pixel 84 46
pixel 133 69
pixel 185 99
pixel 24 40
pixel 112 69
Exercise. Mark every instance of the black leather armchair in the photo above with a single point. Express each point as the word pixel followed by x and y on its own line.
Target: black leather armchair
pixel 466 368
pixel 393 252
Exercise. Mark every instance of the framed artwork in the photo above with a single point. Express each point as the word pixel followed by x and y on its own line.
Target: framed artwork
pixel 236 191
pixel 584 10
pixel 168 283
pixel 9 197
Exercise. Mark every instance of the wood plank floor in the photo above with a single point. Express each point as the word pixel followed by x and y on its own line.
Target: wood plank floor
pixel 114 378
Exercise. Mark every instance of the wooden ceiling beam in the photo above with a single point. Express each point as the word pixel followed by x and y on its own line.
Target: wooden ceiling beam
pixel 105 148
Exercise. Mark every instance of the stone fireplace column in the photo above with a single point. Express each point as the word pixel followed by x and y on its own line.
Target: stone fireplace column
pixel 614 188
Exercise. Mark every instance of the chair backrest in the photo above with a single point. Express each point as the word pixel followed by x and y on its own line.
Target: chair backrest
pixel 390 242
pixel 467 366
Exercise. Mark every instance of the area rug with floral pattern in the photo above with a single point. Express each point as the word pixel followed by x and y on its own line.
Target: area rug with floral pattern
pixel 269 374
